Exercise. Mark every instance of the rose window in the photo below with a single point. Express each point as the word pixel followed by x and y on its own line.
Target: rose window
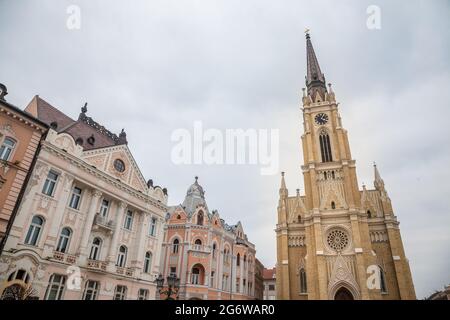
pixel 337 239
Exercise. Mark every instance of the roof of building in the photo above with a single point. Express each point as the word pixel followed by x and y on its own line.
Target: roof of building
pixel 85 131
pixel 269 273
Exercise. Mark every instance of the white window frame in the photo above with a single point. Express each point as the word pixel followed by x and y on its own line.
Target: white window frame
pixel 120 294
pixel 122 257
pixel 75 198
pixel 50 184
pixel 143 294
pixel 128 224
pixel 66 238
pixel 104 208
pixel 148 262
pixel 152 229
pixel 6 150
pixel 59 285
pixel 32 230
pixel 94 254
pixel 92 289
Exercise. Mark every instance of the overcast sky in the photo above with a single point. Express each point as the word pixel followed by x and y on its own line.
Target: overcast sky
pixel 155 66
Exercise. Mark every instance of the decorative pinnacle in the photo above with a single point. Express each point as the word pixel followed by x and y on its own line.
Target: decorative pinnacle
pixel 84 108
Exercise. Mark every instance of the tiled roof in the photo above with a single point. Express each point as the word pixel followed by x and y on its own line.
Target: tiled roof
pixel 85 131
pixel 269 273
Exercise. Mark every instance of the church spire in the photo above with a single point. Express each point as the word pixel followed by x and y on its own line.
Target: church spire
pixel 283 189
pixel 378 182
pixel 315 79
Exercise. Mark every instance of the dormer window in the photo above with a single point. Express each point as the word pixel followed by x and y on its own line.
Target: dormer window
pixel 54 125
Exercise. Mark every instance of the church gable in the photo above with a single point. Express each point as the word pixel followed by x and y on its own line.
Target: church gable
pixel 118 162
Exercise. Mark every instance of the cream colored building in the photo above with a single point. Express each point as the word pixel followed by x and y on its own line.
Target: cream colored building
pixel 89 226
pixel 336 241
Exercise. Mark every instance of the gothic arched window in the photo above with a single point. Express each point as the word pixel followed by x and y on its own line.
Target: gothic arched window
pixel 325 146
pixel 175 245
pixel 302 276
pixel 238 259
pixel 200 218
pixel 333 205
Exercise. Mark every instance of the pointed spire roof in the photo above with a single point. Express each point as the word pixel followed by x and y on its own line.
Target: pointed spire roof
pixel 315 79
pixel 378 183
pixel 283 182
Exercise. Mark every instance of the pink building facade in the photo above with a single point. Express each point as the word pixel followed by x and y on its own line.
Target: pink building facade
pixel 212 259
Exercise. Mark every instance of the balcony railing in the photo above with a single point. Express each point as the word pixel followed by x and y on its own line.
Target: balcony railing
pixel 64 257
pixel 104 222
pixel 199 247
pixel 125 271
pixel 96 265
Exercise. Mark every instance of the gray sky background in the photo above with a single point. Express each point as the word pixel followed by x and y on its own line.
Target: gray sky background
pixel 155 66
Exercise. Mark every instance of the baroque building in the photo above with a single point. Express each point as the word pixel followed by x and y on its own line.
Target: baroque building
pixel 20 135
pixel 89 225
pixel 336 241
pixel 213 260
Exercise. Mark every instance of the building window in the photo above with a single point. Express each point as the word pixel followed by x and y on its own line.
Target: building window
pixel 271 287
pixel 212 279
pixel 238 259
pixel 200 218
pixel 122 256
pixel 175 246
pixel 95 249
pixel 303 287
pixel 226 256
pixel 19 275
pixel 128 220
pixel 104 208
pixel 195 275
pixel 383 287
pixel 238 282
pixel 152 230
pixel 75 198
pixel 143 294
pixel 369 214
pixel 7 148
pixel 34 231
pixel 120 293
pixel 63 242
pixel 91 290
pixel 55 287
pixel 173 271
pixel 325 147
pixel 333 205
pixel 147 262
pixel 119 165
pixel 50 183
pixel 214 249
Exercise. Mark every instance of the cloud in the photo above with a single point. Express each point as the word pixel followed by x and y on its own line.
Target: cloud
pixel 155 66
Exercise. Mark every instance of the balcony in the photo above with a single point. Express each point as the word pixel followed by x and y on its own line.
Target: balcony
pixel 199 248
pixel 64 257
pixel 96 265
pixel 104 223
pixel 125 271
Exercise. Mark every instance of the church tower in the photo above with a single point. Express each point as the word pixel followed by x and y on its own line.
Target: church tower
pixel 336 241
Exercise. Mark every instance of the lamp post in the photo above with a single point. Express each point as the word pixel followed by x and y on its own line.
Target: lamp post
pixel 173 285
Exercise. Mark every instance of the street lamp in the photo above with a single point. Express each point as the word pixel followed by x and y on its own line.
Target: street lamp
pixel 173 284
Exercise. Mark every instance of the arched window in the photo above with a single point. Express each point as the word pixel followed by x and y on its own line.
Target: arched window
pixel 200 218
pixel 325 146
pixel 20 274
pixel 198 274
pixel 226 255
pixel 369 214
pixel 34 231
pixel 214 248
pixel 7 148
pixel 122 256
pixel 64 238
pixel 383 287
pixel 147 262
pixel 333 205
pixel 238 259
pixel 175 246
pixel 299 219
pixel 91 290
pixel 198 242
pixel 303 287
pixel 245 261
pixel 95 249
pixel 55 287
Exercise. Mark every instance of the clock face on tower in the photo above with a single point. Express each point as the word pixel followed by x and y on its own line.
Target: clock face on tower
pixel 321 118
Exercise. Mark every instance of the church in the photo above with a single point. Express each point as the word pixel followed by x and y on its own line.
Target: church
pixel 336 242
